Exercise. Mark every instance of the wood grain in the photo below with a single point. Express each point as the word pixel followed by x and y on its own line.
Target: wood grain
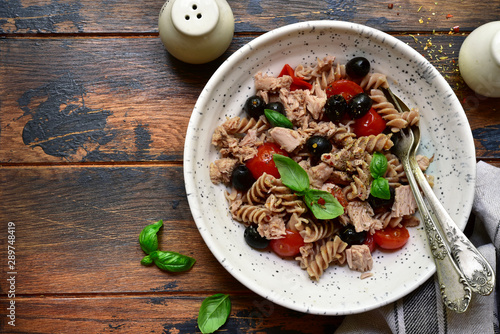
pixel 86 16
pixel 59 107
pixel 156 313
pixel 82 225
pixel 93 115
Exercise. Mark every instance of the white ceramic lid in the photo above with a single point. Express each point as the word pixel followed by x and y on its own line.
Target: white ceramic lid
pixel 195 18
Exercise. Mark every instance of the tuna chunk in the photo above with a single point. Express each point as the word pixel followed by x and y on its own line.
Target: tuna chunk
pixel 319 174
pixel 295 105
pixel 359 258
pixel 404 202
pixel 220 170
pixel 274 229
pixel 315 103
pixel 273 84
pixel 247 147
pixel 361 215
pixel 251 139
pixel 423 162
pixel 288 139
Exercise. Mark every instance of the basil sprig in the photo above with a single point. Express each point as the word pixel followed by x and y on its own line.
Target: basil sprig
pixel 148 238
pixel 168 261
pixel 380 185
pixel 214 312
pixel 322 204
pixel 277 119
pixel 172 261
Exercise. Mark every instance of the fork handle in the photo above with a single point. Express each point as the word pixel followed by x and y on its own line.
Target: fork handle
pixel 476 270
pixel 455 291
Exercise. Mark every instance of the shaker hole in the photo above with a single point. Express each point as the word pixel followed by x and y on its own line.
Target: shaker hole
pixel 195 7
pixel 186 17
pixel 198 16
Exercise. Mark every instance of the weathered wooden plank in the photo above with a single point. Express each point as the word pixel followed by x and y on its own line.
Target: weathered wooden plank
pixel 57 106
pixel 71 16
pixel 155 313
pixel 77 229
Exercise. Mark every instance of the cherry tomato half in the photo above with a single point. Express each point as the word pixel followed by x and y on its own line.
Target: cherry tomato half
pixel 346 88
pixel 370 124
pixel 391 237
pixel 370 242
pixel 297 82
pixel 289 245
pixel 263 161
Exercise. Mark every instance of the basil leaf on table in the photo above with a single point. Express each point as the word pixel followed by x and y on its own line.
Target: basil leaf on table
pixel 277 119
pixel 148 238
pixel 292 175
pixel 380 188
pixel 172 261
pixel 323 204
pixel 378 165
pixel 214 312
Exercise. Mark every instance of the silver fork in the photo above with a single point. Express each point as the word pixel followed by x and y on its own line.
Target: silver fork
pixel 459 265
pixel 476 270
pixel 455 291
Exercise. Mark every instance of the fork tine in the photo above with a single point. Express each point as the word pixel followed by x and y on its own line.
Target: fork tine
pixel 396 101
pixel 416 137
pixel 403 143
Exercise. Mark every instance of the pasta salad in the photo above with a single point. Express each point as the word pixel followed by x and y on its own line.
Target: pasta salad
pixel 309 167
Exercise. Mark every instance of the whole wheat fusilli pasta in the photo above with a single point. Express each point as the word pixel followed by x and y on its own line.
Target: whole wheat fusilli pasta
pixel 343 170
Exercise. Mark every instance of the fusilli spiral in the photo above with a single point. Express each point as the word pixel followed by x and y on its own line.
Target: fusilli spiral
pixel 395 120
pixel 314 230
pixel 342 170
pixel 321 254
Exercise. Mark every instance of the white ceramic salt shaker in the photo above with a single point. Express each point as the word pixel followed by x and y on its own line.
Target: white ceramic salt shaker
pixel 196 31
pixel 479 60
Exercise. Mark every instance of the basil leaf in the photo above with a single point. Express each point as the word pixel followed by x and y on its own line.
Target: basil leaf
pixel 277 119
pixel 148 238
pixel 378 165
pixel 380 188
pixel 147 260
pixel 214 311
pixel 172 261
pixel 292 175
pixel 323 204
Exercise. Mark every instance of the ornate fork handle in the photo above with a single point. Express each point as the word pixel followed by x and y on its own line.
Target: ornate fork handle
pixel 455 291
pixel 476 270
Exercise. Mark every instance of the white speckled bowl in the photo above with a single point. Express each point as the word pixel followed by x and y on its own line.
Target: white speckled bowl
pixel 445 134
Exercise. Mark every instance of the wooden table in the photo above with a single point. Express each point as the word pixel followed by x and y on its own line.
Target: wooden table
pixel 93 115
